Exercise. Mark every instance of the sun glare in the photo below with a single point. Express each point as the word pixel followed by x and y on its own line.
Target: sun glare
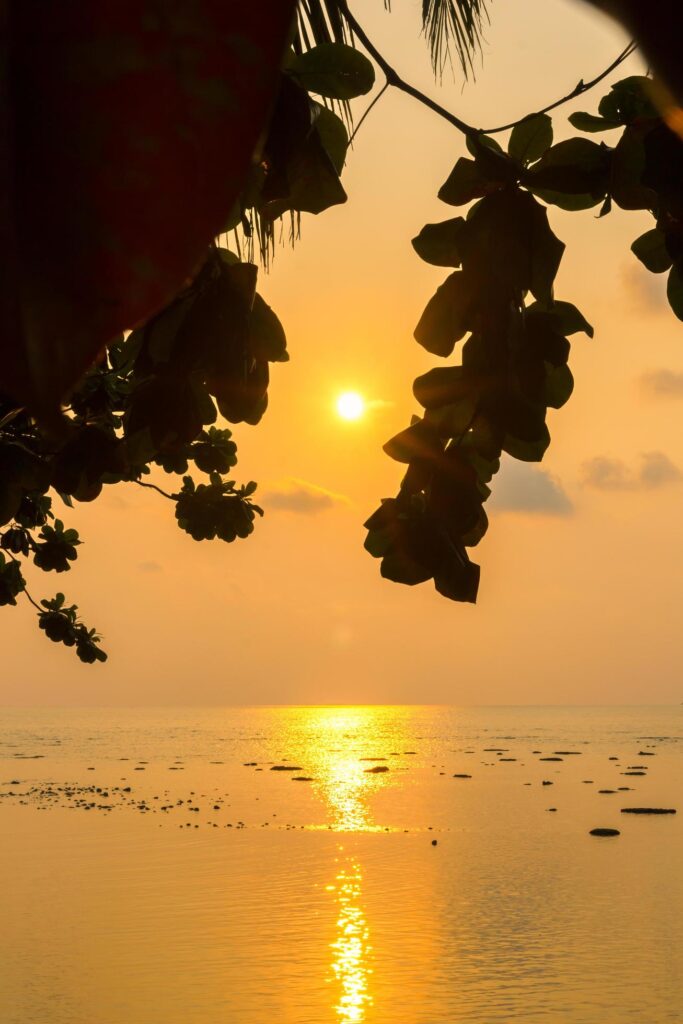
pixel 350 405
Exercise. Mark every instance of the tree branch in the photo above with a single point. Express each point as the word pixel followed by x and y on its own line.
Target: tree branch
pixel 367 111
pixel 25 591
pixel 578 90
pixel 141 483
pixel 393 78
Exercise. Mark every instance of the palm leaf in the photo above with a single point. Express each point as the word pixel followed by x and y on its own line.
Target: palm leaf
pixel 318 21
pixel 453 24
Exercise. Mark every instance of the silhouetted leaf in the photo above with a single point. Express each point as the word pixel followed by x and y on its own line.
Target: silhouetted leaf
pixel 674 289
pixel 472 536
pixel 438 243
pixel 546 253
pixel 453 419
pixel 444 321
pixel 565 201
pixel 559 384
pixel 334 70
pixel 458 579
pixel 267 339
pixel 576 167
pixel 467 181
pixel 628 167
pixel 628 101
pixel 419 441
pixel 527 449
pixel 442 385
pixel 651 250
pixel 591 122
pixel 530 139
pixel 333 135
pixel 475 143
pixel 566 318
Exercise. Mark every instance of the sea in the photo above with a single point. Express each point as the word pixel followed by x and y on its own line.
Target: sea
pixel 339 865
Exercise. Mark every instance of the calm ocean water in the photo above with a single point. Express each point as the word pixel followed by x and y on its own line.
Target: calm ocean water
pixel 156 868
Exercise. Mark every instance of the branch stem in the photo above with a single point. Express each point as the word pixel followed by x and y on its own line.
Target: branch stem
pixel 393 78
pixel 578 90
pixel 367 111
pixel 141 483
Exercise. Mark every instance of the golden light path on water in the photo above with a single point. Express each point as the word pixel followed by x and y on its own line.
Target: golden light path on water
pixel 343 782
pixel 352 950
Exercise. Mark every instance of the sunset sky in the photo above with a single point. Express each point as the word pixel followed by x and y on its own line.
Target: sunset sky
pixel 581 583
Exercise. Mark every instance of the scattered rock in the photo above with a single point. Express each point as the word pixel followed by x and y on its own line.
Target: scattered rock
pixel 550 759
pixel 607 791
pixel 461 775
pixel 434 842
pixel 286 768
pixel 372 758
pixel 648 810
pixel 378 768
pixel 302 778
pixel 646 753
pixel 551 809
pixel 634 773
pixel 568 753
pixel 546 782
pixel 605 832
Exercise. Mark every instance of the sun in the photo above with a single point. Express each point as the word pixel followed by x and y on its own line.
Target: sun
pixel 350 405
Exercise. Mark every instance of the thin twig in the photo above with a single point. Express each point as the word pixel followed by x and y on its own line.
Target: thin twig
pixel 578 90
pixel 25 590
pixel 393 78
pixel 376 99
pixel 34 603
pixel 141 483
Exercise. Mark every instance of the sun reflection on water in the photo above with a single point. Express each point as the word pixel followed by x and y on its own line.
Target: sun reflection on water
pixel 340 741
pixel 351 949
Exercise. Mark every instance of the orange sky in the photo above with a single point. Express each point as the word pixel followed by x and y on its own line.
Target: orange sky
pixel 579 600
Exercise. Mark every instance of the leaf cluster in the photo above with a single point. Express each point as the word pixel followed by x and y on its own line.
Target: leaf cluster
pixel 151 401
pixel 304 149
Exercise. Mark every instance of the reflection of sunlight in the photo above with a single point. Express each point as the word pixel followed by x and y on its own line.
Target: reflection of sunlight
pixel 336 740
pixel 351 948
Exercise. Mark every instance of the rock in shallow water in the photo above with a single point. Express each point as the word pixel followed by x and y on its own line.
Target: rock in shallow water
pixel 648 810
pixel 605 832
pixel 378 768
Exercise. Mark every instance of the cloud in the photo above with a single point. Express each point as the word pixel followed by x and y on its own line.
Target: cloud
pixel 303 498
pixel 523 488
pixel 646 292
pixel 662 384
pixel 655 470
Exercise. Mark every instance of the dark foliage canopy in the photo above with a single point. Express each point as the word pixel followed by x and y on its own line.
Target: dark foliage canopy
pixel 202 336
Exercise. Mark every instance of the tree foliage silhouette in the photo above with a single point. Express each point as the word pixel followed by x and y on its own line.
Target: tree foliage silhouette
pixel 151 399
